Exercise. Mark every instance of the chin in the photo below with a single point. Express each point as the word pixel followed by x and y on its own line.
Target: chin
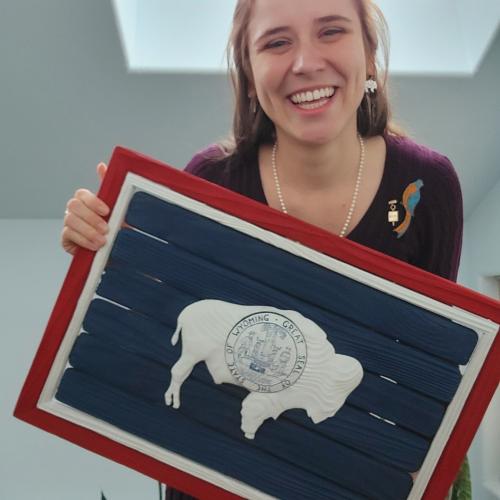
pixel 318 134
pixel 316 139
pixel 324 135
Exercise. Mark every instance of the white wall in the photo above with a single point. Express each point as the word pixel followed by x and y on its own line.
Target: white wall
pixel 480 270
pixel 33 463
pixel 478 23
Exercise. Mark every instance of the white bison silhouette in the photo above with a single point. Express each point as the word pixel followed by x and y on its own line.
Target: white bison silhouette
pixel 289 361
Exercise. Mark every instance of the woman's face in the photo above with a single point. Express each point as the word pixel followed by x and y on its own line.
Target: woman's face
pixel 308 65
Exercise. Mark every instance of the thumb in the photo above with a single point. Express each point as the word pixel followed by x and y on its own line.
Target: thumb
pixel 101 170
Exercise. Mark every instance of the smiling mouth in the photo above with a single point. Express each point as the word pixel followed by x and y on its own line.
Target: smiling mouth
pixel 312 99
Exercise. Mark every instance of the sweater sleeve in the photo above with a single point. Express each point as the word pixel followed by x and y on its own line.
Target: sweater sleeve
pixel 442 243
pixel 207 165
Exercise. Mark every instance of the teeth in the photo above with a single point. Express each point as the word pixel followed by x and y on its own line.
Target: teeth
pixel 310 96
pixel 313 105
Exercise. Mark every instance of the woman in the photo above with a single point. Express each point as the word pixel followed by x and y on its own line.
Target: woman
pixel 312 138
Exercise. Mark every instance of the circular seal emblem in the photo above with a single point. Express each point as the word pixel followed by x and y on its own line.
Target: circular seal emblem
pixel 266 352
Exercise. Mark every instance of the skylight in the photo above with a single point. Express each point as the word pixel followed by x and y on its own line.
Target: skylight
pixel 428 37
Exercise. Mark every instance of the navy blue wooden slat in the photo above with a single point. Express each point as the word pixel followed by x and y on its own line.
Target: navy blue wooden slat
pixel 378 354
pixel 276 267
pixel 148 379
pixel 131 330
pixel 134 290
pixel 174 431
pixel 393 402
pixel 220 413
pixel 398 404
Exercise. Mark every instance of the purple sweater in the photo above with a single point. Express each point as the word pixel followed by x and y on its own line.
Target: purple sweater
pixel 433 238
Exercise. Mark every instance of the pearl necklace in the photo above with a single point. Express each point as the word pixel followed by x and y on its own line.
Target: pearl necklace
pixel 354 194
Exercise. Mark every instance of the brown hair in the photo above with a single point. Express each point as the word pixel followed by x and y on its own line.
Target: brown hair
pixel 252 127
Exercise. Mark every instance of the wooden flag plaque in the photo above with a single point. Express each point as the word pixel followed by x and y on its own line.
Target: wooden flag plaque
pixel 230 350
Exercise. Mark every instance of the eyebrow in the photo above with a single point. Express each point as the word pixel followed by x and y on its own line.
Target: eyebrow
pixel 329 19
pixel 320 20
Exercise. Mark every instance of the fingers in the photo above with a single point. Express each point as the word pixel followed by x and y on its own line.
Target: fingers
pixel 102 168
pixel 84 224
pixel 89 227
pixel 72 239
pixel 84 199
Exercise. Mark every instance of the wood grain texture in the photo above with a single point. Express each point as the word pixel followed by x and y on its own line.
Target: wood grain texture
pixel 162 302
pixel 175 431
pixel 216 417
pixel 148 378
pixel 251 257
pixel 378 354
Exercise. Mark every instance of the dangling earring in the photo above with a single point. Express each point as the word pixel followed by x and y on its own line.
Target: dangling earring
pixel 371 85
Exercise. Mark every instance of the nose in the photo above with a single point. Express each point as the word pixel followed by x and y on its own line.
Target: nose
pixel 308 59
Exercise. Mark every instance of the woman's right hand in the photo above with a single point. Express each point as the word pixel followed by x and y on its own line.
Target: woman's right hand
pixel 84 225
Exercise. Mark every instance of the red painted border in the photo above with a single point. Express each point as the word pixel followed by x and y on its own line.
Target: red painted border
pixel 124 161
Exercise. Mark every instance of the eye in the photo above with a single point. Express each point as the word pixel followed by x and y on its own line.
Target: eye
pixel 329 32
pixel 276 44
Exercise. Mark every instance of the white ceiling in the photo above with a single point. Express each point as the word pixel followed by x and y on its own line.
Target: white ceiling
pixel 444 37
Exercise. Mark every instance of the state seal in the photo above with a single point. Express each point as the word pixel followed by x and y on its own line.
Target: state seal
pixel 266 352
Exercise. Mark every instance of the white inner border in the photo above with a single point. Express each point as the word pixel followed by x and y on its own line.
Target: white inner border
pixel 485 329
